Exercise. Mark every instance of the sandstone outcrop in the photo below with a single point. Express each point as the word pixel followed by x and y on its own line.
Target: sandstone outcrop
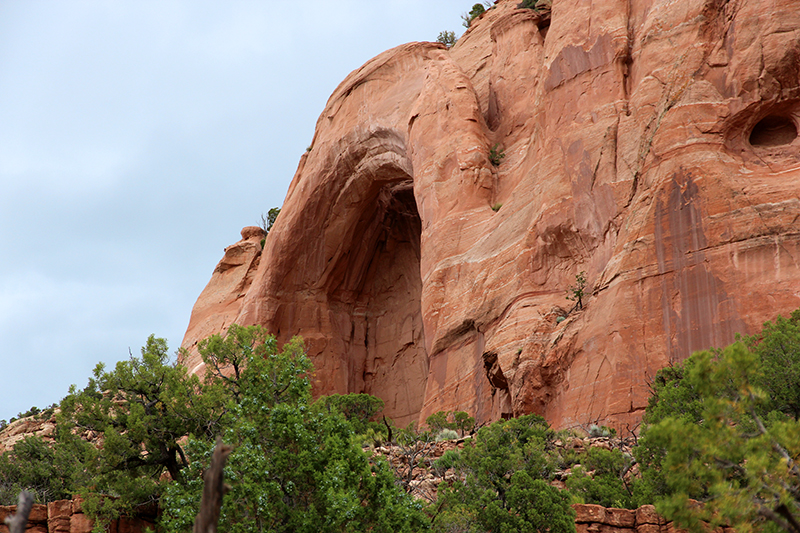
pixel 67 516
pixel 220 302
pixel 650 143
pixel 38 425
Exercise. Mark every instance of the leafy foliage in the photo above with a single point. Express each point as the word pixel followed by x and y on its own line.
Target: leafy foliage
pixel 296 467
pixel 463 422
pixel 453 420
pixel 46 472
pixel 447 38
pixel 778 349
pixel 606 486
pixel 601 431
pixel 358 410
pixel 537 5
pixel 138 412
pixel 504 486
pixel 476 11
pixel 496 155
pixel 268 220
pixel 722 429
pixel 577 291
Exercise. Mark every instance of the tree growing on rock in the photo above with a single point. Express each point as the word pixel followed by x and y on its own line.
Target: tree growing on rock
pixel 576 292
pixel 447 38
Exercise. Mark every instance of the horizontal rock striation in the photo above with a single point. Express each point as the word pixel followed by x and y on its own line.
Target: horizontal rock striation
pixel 650 143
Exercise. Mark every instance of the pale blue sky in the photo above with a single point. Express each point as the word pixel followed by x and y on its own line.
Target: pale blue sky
pixel 136 139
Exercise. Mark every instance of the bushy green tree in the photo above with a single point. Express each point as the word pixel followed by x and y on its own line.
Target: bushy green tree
pixel 358 409
pixel 447 38
pixel 454 420
pixel 730 451
pixel 48 472
pixel 137 414
pixel 294 467
pixel 504 488
pixel 671 396
pixel 682 400
pixel 606 486
pixel 476 11
pixel 464 422
pixel 439 421
pixel 778 350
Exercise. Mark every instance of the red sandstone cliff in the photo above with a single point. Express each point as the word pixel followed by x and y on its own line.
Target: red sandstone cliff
pixel 651 143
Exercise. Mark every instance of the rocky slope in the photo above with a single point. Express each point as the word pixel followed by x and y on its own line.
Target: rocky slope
pixel 43 426
pixel 651 143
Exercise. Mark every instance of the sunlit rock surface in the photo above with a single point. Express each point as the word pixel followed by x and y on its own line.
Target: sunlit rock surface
pixel 650 143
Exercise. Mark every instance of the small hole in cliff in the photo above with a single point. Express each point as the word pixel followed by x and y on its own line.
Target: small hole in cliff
pixel 773 131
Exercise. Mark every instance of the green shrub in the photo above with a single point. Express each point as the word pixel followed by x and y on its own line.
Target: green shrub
pixel 476 11
pixel 606 486
pixel 496 154
pixel 722 428
pixel 438 421
pixel 463 422
pixel 504 470
pixel 600 489
pixel 449 459
pixel 446 434
pixel 268 220
pixel 601 431
pixel 447 38
pixel 45 471
pixel 536 5
pixel 358 409
pixel 297 466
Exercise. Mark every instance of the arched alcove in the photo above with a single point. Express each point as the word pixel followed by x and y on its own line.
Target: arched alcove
pixel 773 130
pixel 375 292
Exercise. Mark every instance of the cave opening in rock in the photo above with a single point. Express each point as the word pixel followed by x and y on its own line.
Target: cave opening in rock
pixel 380 294
pixel 773 131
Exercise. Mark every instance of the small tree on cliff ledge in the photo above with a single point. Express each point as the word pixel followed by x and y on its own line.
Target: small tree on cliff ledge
pixel 576 292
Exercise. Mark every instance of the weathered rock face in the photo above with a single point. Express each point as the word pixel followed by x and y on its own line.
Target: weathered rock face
pixel 651 143
pixel 40 426
pixel 220 302
pixel 67 516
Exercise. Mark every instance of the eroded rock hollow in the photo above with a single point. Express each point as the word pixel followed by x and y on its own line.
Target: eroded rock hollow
pixel 652 144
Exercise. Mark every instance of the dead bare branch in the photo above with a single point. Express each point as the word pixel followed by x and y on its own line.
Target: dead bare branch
pixel 213 489
pixel 17 522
